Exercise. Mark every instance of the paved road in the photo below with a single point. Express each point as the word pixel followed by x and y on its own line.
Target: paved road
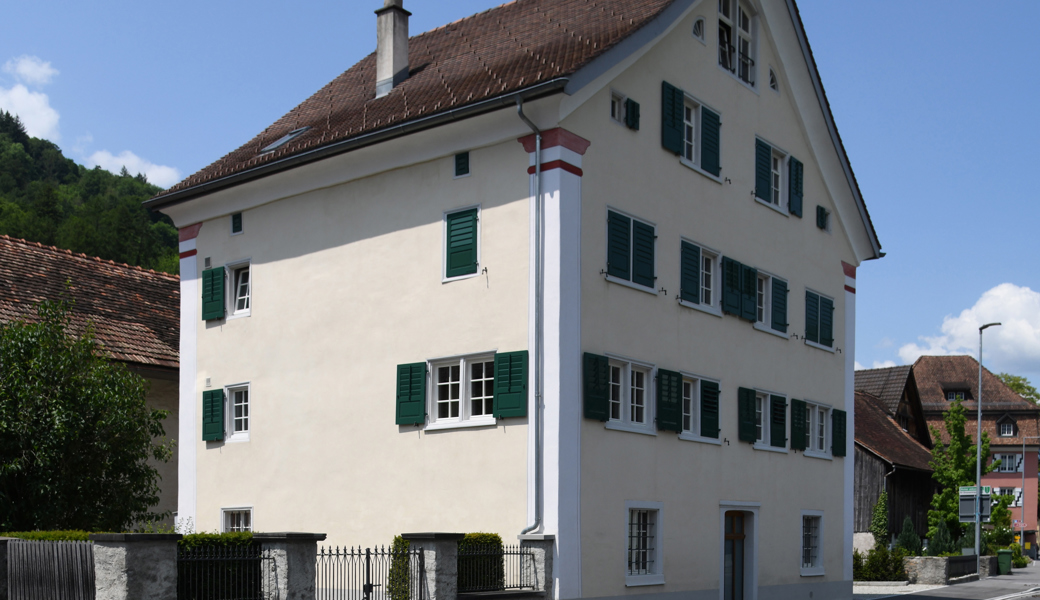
pixel 1017 584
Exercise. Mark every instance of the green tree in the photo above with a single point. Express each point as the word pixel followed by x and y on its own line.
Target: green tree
pixel 1020 385
pixel 908 539
pixel 75 434
pixel 953 463
pixel 941 542
pixel 879 520
pixel 1000 517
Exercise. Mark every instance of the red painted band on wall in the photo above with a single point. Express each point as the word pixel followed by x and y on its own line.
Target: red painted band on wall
pixel 850 289
pixel 557 164
pixel 850 270
pixel 188 232
pixel 188 253
pixel 557 137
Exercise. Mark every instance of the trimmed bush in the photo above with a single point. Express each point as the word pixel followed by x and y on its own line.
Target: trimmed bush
pixel 70 535
pixel 399 583
pixel 481 564
pixel 235 538
pixel 942 544
pixel 879 521
pixel 908 539
pixel 879 564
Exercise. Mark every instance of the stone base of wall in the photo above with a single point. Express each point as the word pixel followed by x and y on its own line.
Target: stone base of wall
pixel 988 566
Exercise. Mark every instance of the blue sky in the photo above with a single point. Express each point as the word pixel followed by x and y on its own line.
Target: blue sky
pixel 935 101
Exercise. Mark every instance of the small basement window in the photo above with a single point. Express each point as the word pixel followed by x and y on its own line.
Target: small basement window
pixel 285 139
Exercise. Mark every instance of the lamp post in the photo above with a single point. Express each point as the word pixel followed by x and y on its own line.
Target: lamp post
pixel 1022 506
pixel 978 454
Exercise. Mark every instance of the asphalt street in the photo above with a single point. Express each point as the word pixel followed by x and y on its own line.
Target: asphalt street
pixel 1021 583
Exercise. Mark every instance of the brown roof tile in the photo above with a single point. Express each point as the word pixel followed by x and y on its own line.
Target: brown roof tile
pixel 135 312
pixel 936 375
pixel 887 384
pixel 879 433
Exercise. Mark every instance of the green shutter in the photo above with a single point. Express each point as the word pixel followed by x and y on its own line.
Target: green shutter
pixel 763 171
pixel 672 103
pixel 643 254
pixel 619 245
pixel 213 294
pixel 748 293
pixel 511 384
pixel 213 415
pixel 690 275
pixel 838 432
pixel 826 322
pixel 632 114
pixel 794 187
pixel 797 425
pixel 669 401
pixel 746 415
pixel 778 421
pixel 812 317
pixel 462 164
pixel 779 298
pixel 596 371
pixel 711 154
pixel 709 409
pixel 462 243
pixel 821 217
pixel 411 394
pixel 731 300
pixel 236 223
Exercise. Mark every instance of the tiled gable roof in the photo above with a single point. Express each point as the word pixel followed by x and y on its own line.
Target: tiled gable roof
pixel 497 52
pixel 879 433
pixel 936 375
pixel 887 384
pixel 135 312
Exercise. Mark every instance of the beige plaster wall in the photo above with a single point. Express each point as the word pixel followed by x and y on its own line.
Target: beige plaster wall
pixel 163 395
pixel 346 285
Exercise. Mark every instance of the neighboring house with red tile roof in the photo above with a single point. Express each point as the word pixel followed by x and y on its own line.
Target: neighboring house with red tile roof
pixel 580 267
pixel 134 313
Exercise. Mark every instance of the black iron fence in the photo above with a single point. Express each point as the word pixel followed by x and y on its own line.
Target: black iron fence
pixel 370 574
pixel 495 568
pixel 41 570
pixel 224 573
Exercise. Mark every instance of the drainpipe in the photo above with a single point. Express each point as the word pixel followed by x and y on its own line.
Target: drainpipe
pixel 539 336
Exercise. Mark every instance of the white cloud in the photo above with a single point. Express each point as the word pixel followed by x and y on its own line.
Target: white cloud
pixel 34 109
pixel 160 175
pixel 883 364
pixel 30 70
pixel 1014 347
pixel 858 366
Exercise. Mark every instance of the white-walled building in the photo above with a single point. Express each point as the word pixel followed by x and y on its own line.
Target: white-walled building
pixel 577 268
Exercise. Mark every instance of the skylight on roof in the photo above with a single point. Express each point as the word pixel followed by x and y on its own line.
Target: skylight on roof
pixel 295 133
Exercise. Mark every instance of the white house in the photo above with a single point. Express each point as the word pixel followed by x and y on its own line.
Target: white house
pixel 571 267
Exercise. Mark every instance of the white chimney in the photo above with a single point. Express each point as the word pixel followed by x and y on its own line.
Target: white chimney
pixel 391 46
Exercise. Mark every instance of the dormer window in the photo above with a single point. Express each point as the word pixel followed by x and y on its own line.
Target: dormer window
pixel 736 40
pixel 1006 427
pixel 952 395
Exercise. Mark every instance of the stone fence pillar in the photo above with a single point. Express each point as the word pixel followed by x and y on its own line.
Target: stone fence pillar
pixel 441 551
pixel 128 566
pixel 292 570
pixel 539 572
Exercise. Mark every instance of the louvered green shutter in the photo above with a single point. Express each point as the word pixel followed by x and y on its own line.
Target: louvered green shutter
pixel 213 294
pixel 812 317
pixel 643 254
pixel 838 432
pixel 619 245
pixel 763 171
pixel 671 118
pixel 709 409
pixel 746 415
pixel 596 371
pixel 669 401
pixel 731 300
pixel 711 142
pixel 632 114
pixel 779 316
pixel 748 293
pixel 690 276
pixel 795 171
pixel 511 384
pixel 462 243
pixel 821 217
pixel 778 421
pixel 236 223
pixel 411 394
pixel 797 425
pixel 213 415
pixel 826 322
pixel 462 164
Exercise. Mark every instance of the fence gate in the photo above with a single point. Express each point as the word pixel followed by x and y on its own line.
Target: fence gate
pixel 370 574
pixel 44 570
pixel 224 573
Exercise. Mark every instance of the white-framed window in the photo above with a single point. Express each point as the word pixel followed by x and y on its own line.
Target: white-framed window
pixel 700 271
pixel 698 30
pixel 691 128
pixel 236 519
pixel 774 84
pixel 693 411
pixel 770 307
pixel 1006 428
pixel 955 395
pixel 644 552
pixel 812 543
pixel 630 399
pixel 817 429
pixel 1014 492
pixel 617 108
pixel 462 391
pixel 1009 463
pixel 737 46
pixel 697 140
pixel 237 425
pixel 770 408
pixel 240 289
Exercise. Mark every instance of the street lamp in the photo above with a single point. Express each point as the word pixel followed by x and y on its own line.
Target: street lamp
pixel 978 455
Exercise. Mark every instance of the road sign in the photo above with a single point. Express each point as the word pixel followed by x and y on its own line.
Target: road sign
pixel 970 489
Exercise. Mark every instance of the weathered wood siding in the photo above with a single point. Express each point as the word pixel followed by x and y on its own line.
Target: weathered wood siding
pixel 869 479
pixel 909 494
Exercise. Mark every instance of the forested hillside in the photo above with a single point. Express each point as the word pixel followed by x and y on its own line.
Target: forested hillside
pixel 47 198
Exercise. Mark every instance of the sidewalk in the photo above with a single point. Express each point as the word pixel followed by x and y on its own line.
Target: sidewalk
pixel 1021 583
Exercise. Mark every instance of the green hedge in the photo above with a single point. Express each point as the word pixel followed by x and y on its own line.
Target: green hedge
pixel 70 535
pixel 237 538
pixel 484 571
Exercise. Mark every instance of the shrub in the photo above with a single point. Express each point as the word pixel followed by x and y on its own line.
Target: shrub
pixel 858 573
pixel 941 543
pixel 879 521
pixel 880 564
pixel 70 535
pixel 1017 560
pixel 399 584
pixel 209 581
pixel 235 538
pixel 908 539
pixel 481 564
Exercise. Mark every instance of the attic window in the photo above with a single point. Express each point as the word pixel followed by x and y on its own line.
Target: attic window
pixel 285 139
pixel 773 85
pixel 952 395
pixel 698 29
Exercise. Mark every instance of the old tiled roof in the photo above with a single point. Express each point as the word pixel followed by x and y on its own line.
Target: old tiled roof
pixel 879 433
pixel 936 375
pixel 135 311
pixel 887 384
pixel 493 53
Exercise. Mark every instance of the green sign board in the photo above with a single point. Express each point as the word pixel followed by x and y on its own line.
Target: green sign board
pixel 970 489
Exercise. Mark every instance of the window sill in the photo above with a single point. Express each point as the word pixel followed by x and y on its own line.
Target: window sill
pixel 812 572
pixel 817 454
pixel 692 437
pixel 638 580
pixel 238 315
pixel 820 346
pixel 697 168
pixel 768 448
pixel 238 437
pixel 634 286
pixel 460 277
pixel 738 79
pixel 712 310
pixel 772 331
pixel 437 425
pixel 772 206
pixel 461 176
pixel 629 427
